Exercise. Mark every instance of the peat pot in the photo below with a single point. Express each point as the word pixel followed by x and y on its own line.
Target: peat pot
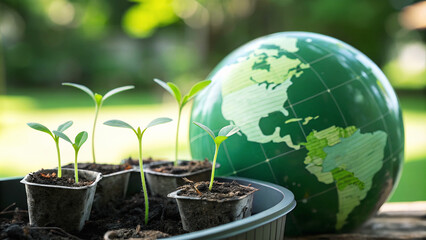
pixel 60 206
pixel 164 183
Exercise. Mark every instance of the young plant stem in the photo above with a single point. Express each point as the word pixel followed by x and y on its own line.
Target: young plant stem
pixel 76 168
pixel 145 192
pixel 177 137
pixel 93 132
pixel 213 167
pixel 59 159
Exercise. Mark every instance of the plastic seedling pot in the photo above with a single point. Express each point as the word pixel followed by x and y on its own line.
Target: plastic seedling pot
pixel 111 187
pixel 60 206
pixel 198 213
pixel 271 204
pixel 164 183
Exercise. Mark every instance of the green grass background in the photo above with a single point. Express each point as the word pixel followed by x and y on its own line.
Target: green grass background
pixel 23 150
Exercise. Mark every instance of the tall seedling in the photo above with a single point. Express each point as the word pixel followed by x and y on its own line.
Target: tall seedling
pixel 224 133
pixel 139 134
pixel 174 90
pixel 61 128
pixel 99 100
pixel 78 142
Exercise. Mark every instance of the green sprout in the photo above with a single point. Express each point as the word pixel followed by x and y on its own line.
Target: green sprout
pixel 173 89
pixel 139 133
pixel 98 99
pixel 224 133
pixel 78 142
pixel 61 128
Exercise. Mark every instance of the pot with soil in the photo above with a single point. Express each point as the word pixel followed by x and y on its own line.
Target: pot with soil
pixel 164 177
pixel 114 182
pixel 60 202
pixel 202 208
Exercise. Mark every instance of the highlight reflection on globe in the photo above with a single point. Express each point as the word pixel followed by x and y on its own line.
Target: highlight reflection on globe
pixel 316 116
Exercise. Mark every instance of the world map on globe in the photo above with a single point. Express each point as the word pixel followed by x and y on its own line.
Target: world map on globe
pixel 315 116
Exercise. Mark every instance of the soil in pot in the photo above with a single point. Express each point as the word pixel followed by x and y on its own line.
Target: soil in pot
pixel 48 177
pixel 201 208
pixel 135 162
pixel 105 169
pixel 183 167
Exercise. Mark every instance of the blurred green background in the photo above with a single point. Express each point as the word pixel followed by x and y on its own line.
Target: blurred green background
pixel 106 44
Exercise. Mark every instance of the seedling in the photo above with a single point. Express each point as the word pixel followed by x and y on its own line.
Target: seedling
pixel 173 89
pixel 224 133
pixel 78 142
pixel 61 128
pixel 98 99
pixel 139 133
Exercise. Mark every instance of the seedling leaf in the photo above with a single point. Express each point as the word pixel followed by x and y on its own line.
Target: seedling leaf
pixel 196 88
pixel 117 90
pixel 40 127
pixel 118 123
pixel 81 87
pixel 219 139
pixel 205 128
pixel 63 136
pixel 80 138
pixel 176 92
pixel 164 85
pixel 158 121
pixel 228 130
pixel 64 126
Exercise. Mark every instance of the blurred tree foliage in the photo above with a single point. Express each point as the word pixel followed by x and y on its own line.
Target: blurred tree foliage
pixel 101 43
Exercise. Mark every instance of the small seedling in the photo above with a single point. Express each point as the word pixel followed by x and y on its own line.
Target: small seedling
pixel 139 133
pixel 78 142
pixel 99 100
pixel 61 128
pixel 224 133
pixel 173 89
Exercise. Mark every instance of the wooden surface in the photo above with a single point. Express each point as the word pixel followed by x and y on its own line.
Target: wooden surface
pixel 393 221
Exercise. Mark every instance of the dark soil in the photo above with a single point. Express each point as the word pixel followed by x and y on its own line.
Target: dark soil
pixel 220 190
pixel 136 233
pixel 183 167
pixel 135 162
pixel 127 215
pixel 102 168
pixel 49 177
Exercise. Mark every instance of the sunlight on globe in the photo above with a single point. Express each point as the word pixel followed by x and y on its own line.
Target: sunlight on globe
pixel 316 116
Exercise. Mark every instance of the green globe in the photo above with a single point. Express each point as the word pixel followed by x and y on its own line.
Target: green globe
pixel 316 116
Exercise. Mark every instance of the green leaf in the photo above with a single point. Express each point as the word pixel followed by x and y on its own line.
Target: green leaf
pixel 63 136
pixel 64 126
pixel 205 128
pixel 219 139
pixel 82 88
pixel 164 85
pixel 228 130
pixel 118 123
pixel 196 88
pixel 158 121
pixel 80 139
pixel 40 127
pixel 117 90
pixel 176 92
pixel 98 99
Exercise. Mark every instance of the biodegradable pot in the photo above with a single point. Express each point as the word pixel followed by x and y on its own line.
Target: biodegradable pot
pixel 199 213
pixel 112 187
pixel 60 206
pixel 164 183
